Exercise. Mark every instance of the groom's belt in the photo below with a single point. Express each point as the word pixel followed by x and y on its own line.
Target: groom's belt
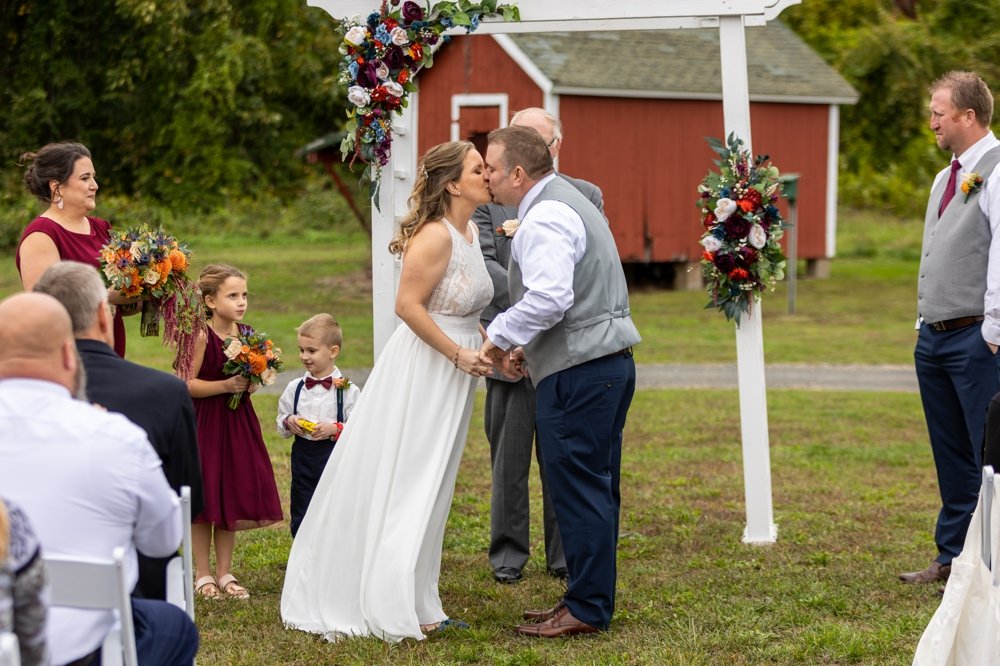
pixel 952 324
pixel 627 353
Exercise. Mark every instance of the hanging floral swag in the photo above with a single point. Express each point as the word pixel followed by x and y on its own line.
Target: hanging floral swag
pixel 382 54
pixel 742 256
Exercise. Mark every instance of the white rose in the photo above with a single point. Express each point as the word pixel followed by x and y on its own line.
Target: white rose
pixel 151 276
pixel 268 376
pixel 136 251
pixel 356 35
pixel 382 70
pixel 711 243
pixel 509 227
pixel 399 37
pixel 724 207
pixel 757 236
pixel 358 96
pixel 393 88
pixel 232 350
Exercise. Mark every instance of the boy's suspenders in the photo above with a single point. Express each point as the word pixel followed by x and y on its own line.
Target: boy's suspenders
pixel 340 401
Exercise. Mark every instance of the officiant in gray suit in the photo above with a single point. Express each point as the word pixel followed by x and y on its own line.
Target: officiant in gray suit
pixel 510 405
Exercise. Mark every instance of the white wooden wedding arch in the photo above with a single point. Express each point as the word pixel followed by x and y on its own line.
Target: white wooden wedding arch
pixel 731 17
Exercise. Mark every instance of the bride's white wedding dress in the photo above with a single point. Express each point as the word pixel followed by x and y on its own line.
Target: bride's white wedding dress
pixel 367 556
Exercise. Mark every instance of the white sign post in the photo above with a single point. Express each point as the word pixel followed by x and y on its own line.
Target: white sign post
pixel 731 17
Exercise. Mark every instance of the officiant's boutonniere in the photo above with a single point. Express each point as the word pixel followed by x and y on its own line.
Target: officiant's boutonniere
pixel 971 182
pixel 508 228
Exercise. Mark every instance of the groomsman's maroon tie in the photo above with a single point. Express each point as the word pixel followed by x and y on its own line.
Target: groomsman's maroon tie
pixel 949 190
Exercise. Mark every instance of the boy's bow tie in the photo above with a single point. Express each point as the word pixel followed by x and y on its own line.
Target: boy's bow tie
pixel 325 383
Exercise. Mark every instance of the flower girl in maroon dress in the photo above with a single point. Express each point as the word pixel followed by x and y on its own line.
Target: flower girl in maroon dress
pixel 240 492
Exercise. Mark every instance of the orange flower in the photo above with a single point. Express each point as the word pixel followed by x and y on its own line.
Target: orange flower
pixel 707 256
pixel 163 268
pixel 738 274
pixel 178 261
pixel 245 349
pixel 746 205
pixel 258 363
pixel 404 76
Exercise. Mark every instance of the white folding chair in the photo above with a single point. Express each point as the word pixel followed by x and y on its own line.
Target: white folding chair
pixel 180 570
pixel 99 584
pixel 10 651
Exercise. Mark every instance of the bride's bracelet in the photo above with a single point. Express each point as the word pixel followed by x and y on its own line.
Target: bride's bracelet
pixel 455 360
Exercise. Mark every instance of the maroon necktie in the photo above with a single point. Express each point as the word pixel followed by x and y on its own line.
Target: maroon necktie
pixel 325 383
pixel 949 190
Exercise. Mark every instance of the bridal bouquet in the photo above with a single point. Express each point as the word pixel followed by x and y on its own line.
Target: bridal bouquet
pixel 152 266
pixel 381 55
pixel 254 356
pixel 742 256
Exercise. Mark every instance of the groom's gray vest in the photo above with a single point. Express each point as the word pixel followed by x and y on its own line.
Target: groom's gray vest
pixel 599 322
pixel 955 253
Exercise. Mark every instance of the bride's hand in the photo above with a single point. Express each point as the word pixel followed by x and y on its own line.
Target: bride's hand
pixel 469 362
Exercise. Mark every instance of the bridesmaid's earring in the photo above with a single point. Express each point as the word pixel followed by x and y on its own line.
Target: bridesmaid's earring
pixel 60 204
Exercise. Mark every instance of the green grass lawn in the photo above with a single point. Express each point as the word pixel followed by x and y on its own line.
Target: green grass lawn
pixel 854 486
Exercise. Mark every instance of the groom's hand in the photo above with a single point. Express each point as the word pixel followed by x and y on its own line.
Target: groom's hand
pixel 491 354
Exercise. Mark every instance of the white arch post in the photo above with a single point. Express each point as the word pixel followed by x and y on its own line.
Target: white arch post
pixel 731 17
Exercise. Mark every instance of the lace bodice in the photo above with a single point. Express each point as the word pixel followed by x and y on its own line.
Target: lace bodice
pixel 466 288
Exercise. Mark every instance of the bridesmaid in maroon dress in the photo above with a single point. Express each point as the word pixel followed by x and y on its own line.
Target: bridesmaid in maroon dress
pixel 62 176
pixel 240 491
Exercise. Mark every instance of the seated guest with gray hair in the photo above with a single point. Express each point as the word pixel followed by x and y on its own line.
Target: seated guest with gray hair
pixel 155 401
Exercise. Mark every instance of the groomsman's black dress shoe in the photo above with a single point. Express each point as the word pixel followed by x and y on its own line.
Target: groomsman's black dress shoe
pixel 562 573
pixel 507 575
pixel 935 573
pixel 561 624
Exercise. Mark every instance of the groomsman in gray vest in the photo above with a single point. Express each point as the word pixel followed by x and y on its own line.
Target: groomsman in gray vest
pixel 509 414
pixel 570 326
pixel 958 300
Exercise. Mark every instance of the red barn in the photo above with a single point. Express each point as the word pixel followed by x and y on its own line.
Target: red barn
pixel 637 129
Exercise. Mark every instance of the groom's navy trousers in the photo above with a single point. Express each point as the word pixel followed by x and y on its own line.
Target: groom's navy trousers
pixel 958 376
pixel 580 416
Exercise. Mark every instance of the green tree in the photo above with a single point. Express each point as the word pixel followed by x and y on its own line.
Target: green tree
pixel 186 101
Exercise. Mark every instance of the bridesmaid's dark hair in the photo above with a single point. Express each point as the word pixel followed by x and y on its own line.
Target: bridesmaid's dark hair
pixel 53 161
pixel 212 277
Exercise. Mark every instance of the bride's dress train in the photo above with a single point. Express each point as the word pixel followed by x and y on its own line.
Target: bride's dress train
pixel 367 557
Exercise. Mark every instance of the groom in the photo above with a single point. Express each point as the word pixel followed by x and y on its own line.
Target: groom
pixel 570 325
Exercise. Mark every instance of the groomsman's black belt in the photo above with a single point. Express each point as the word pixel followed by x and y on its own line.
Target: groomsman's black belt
pixel 627 353
pixel 952 324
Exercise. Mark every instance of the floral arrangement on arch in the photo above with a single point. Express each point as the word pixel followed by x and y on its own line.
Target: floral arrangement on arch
pixel 382 54
pixel 253 355
pixel 741 256
pixel 152 266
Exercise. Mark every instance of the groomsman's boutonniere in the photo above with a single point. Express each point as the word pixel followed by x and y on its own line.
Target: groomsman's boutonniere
pixel 508 228
pixel 971 182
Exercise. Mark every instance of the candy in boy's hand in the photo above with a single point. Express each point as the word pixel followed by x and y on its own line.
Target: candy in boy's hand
pixel 308 426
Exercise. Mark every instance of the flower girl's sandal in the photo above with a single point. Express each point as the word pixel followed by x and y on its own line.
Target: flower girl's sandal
pixel 206 587
pixel 232 587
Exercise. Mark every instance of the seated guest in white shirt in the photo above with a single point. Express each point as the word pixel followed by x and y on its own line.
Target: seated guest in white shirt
pixel 89 479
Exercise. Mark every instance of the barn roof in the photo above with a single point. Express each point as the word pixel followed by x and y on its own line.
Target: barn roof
pixel 781 66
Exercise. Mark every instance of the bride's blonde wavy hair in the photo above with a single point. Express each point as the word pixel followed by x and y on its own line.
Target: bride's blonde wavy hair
pixel 430 198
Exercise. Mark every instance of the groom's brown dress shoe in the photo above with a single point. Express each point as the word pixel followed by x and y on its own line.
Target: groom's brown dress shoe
pixel 935 573
pixel 561 624
pixel 543 615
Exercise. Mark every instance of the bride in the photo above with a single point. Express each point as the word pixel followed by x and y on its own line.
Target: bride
pixel 367 556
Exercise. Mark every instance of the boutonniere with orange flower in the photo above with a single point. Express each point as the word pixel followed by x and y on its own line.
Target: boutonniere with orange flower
pixel 508 228
pixel 341 383
pixel 971 183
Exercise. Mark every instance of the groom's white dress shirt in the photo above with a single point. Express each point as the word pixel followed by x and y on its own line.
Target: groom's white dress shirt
pixel 547 245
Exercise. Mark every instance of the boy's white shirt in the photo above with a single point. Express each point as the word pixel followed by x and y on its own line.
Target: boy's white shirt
pixel 316 405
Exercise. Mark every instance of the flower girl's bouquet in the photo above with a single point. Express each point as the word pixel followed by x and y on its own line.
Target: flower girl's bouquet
pixel 152 266
pixel 253 356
